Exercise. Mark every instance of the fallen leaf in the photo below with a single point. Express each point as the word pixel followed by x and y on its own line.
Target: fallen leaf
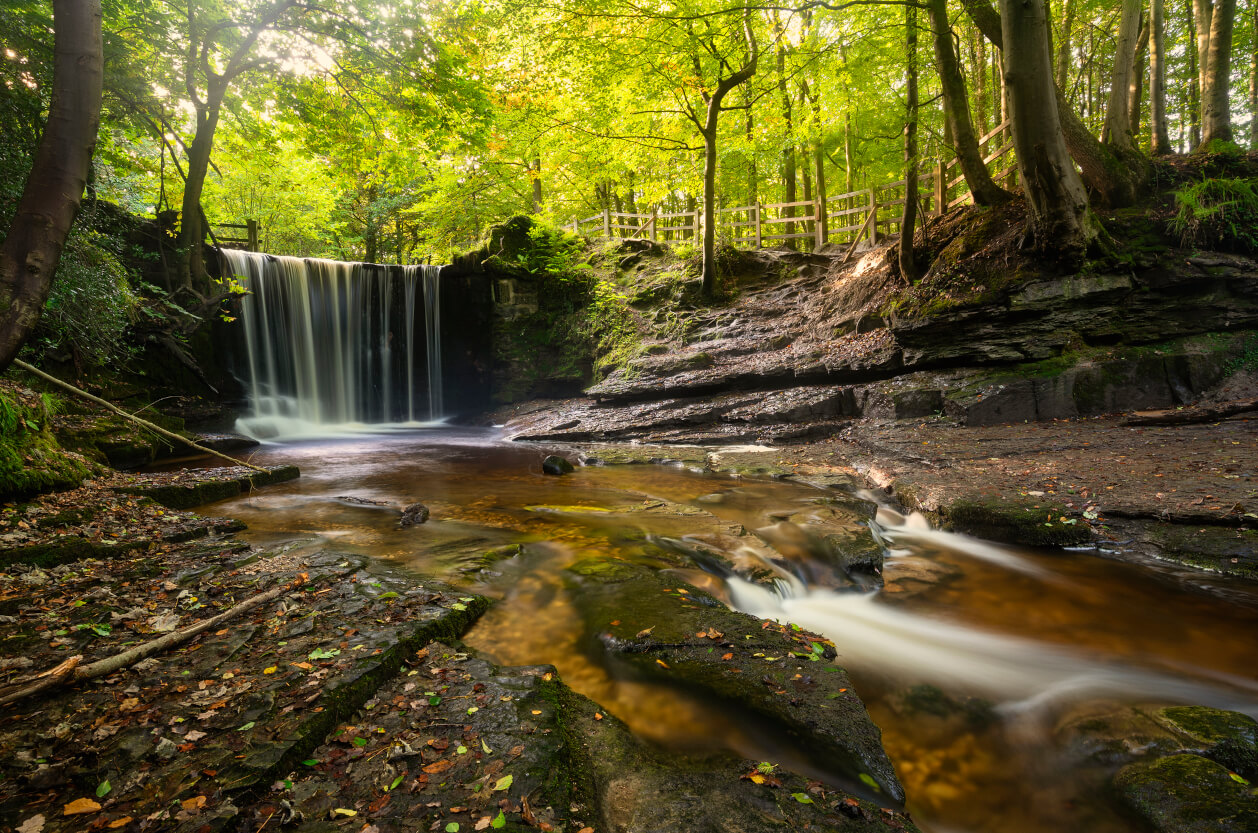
pixel 438 766
pixel 35 824
pixel 484 822
pixel 645 632
pixel 662 663
pixel 504 783
pixel 79 806
pixel 341 811
pixel 802 798
pixel 194 803
pixel 122 822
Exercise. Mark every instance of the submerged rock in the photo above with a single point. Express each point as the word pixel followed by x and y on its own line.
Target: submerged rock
pixel 556 465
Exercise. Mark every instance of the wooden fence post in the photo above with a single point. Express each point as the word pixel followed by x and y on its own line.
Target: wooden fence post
pixel 941 188
pixel 818 223
pixel 654 235
pixel 873 212
pixel 252 226
pixel 575 229
pixel 759 237
pixel 607 222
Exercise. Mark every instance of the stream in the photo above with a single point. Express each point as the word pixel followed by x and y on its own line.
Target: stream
pixel 978 662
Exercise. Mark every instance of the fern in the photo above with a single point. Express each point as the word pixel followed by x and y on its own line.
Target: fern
pixel 1218 214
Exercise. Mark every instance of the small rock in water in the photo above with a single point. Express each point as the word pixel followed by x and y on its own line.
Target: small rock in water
pixel 414 514
pixel 554 464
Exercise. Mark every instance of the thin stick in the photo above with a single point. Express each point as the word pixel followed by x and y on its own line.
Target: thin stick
pixel 139 421
pixel 71 671
pixel 852 248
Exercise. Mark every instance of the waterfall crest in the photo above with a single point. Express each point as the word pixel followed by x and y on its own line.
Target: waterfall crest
pixel 328 346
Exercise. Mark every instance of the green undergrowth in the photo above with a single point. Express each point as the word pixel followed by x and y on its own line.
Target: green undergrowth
pixel 1218 214
pixel 31 460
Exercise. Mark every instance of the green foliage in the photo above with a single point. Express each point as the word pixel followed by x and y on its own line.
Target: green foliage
pixel 31 461
pixel 1218 213
pixel 91 303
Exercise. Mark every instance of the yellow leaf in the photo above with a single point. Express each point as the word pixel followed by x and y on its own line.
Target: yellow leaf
pixel 756 778
pixel 343 812
pixel 270 670
pixel 122 822
pixel 80 805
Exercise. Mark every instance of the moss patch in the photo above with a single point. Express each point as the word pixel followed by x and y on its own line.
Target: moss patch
pixel 1038 524
pixel 31 460
pixel 1187 794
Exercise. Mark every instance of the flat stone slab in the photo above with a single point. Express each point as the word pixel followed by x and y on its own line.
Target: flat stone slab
pixel 195 487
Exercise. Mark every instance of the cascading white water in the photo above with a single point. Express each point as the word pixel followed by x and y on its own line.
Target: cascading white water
pixel 321 345
pixel 1024 676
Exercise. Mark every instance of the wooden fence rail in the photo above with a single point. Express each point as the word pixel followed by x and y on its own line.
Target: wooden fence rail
pixel 249 242
pixel 871 214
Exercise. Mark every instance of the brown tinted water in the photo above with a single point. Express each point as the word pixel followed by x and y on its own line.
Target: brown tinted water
pixel 1043 638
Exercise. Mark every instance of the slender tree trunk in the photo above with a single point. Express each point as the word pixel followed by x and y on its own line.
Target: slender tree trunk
pixel 788 147
pixel 535 174
pixel 1159 138
pixel 1060 218
pixel 957 110
pixel 753 179
pixel 191 231
pixel 1064 45
pixel 59 171
pixel 849 180
pixel 1118 108
pixel 909 269
pixel 819 161
pixel 708 129
pixel 1194 93
pixel 978 57
pixel 1216 99
pixel 630 198
pixel 1202 12
pixel 1253 76
pixel 1135 96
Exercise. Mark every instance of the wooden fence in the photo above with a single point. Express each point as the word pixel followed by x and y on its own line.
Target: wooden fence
pixel 870 214
pixel 249 242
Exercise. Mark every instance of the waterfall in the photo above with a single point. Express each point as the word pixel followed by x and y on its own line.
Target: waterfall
pixel 331 346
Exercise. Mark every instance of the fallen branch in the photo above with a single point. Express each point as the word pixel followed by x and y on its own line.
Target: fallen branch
pixel 139 421
pixel 1192 416
pixel 73 671
pixel 856 240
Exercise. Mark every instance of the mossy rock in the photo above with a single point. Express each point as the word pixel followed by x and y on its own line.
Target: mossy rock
pixel 1038 524
pixel 668 633
pixel 1230 738
pixel 31 459
pixel 1188 794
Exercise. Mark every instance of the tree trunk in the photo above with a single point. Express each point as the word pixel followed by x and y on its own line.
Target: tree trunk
pixel 1159 137
pixel 819 163
pixel 1060 218
pixel 54 188
pixel 191 230
pixel 1064 45
pixel 849 181
pixel 534 168
pixel 708 130
pixel 1202 12
pixel 978 57
pixel 1253 76
pixel 753 179
pixel 909 269
pixel 957 110
pixel 788 147
pixel 1118 108
pixel 1216 116
pixel 1194 95
pixel 1135 97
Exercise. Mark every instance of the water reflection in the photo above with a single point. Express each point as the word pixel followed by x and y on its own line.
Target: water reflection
pixel 975 660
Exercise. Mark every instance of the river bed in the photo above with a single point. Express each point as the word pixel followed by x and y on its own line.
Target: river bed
pixel 975 660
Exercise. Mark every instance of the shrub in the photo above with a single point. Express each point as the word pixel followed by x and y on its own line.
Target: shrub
pixel 91 302
pixel 1218 214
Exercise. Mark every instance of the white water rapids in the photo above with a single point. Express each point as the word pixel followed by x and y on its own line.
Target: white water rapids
pixel 1022 675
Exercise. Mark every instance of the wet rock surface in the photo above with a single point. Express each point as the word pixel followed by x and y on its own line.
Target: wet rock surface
pixel 677 635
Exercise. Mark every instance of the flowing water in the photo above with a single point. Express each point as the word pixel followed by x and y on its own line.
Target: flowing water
pixel 978 662
pixel 330 346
